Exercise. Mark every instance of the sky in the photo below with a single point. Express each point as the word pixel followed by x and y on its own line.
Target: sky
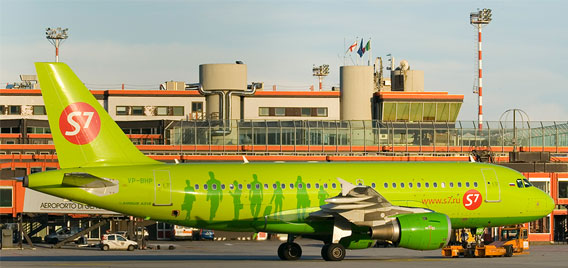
pixel 145 43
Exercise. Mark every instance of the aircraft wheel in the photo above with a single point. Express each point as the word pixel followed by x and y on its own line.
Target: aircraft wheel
pixel 289 251
pixel 333 252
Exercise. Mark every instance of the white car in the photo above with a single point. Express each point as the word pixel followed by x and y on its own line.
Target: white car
pixel 116 241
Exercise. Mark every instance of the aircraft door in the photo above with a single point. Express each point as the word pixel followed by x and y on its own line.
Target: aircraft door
pixel 492 189
pixel 162 188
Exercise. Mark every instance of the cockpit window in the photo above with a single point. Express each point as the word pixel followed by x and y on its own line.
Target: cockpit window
pixel 519 183
pixel 527 183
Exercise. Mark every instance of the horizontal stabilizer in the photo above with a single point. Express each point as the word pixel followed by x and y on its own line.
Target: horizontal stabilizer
pixel 85 180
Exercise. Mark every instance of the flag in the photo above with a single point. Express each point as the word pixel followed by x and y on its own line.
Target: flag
pixel 361 50
pixel 367 46
pixel 352 47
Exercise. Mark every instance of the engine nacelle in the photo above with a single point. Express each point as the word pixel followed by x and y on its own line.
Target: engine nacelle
pixel 422 231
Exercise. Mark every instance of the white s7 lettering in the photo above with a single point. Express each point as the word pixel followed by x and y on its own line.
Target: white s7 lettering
pixel 76 126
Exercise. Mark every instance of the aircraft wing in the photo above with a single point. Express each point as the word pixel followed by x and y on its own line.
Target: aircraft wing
pixel 362 206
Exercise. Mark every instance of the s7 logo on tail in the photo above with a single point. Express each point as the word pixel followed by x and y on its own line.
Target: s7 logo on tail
pixel 79 123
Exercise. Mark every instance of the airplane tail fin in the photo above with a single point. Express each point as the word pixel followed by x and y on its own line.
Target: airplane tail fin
pixel 83 132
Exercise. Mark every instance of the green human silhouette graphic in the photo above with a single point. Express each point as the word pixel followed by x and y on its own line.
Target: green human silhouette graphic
pixel 255 196
pixel 188 199
pixel 277 198
pixel 322 195
pixel 214 194
pixel 302 197
pixel 236 194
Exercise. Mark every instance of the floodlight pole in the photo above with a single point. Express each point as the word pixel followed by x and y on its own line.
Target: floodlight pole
pixel 479 19
pixel 56 36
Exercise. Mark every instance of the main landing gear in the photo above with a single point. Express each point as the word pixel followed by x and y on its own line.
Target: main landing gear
pixel 333 252
pixel 289 251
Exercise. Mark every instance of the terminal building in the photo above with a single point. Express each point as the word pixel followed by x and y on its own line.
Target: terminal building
pixel 223 117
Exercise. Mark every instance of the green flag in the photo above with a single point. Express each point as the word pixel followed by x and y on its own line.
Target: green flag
pixel 368 46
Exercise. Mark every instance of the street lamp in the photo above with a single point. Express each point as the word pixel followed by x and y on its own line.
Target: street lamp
pixel 56 36
pixel 479 19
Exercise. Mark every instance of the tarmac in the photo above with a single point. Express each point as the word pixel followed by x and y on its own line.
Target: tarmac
pixel 252 254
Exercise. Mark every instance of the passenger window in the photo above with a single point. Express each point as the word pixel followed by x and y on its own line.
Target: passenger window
pixel 325 185
pixel 459 185
pixel 197 187
pixel 222 186
pixel 283 186
pixel 248 186
pixel 467 184
pixel 265 186
pixel 257 186
pixel 475 184
pixel 274 186
pixel 519 183
pixel 393 185
pixel 443 184
pixel 373 185
pixel 317 185
pixel 410 185
pixel 240 186
pixel 435 185
pixel 451 185
pixel 291 186
pixel 418 185
pixel 300 186
pixel 386 185
pixel 204 186
pixel 214 186
pixel 359 184
pixel 527 183
pixel 231 186
pixel 427 185
pixel 402 185
pixel 333 185
pixel 309 186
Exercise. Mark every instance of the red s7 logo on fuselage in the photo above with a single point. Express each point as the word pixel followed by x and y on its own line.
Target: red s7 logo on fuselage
pixel 472 199
pixel 79 123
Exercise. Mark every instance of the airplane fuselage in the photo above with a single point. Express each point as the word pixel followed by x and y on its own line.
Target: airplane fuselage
pixel 270 196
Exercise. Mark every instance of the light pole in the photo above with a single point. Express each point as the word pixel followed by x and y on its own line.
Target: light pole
pixel 479 19
pixel 321 72
pixel 56 36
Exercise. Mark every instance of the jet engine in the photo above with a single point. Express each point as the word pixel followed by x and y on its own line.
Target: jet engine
pixel 421 231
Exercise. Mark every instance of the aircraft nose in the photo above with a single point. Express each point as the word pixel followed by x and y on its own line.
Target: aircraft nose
pixel 549 204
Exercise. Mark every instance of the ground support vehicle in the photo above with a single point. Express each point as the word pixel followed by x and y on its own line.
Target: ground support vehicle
pixel 512 241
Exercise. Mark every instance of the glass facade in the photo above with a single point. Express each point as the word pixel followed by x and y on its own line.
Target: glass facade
pixel 420 135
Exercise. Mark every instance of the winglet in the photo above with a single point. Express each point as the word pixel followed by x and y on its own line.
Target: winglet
pixel 346 187
pixel 245 160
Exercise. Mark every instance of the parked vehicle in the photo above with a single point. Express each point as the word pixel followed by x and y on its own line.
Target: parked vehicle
pixel 116 241
pixel 205 234
pixel 62 234
pixel 183 233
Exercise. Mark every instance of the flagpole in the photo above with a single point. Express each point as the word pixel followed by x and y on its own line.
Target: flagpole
pixel 370 57
pixel 344 53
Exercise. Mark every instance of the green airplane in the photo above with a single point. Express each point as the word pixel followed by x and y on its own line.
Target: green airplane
pixel 344 205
